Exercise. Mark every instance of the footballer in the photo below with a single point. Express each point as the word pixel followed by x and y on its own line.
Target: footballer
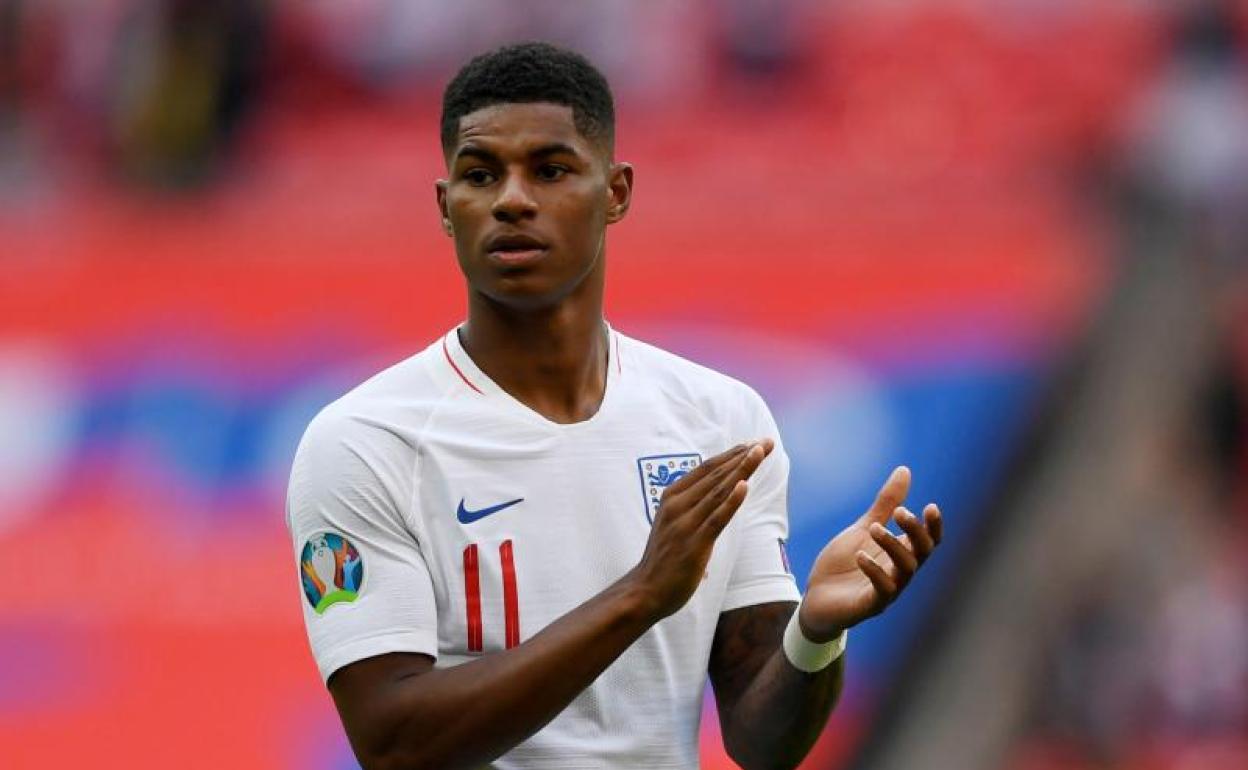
pixel 527 545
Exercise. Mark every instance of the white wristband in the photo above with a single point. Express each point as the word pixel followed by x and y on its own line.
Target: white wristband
pixel 806 655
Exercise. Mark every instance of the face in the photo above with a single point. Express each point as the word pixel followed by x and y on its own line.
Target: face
pixel 527 200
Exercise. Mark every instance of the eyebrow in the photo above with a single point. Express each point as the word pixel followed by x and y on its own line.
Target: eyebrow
pixel 471 151
pixel 545 151
pixel 555 148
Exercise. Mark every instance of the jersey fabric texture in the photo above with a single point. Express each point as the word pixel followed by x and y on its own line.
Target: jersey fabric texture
pixel 477 522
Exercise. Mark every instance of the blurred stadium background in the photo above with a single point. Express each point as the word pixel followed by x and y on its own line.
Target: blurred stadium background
pixel 1002 242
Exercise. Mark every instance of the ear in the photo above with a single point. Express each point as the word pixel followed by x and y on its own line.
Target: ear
pixel 619 191
pixel 440 188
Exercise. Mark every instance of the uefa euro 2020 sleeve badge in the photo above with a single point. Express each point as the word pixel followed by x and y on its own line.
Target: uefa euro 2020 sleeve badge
pixel 331 571
pixel 659 472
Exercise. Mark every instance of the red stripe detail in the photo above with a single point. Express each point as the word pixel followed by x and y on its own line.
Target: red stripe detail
pixel 451 361
pixel 511 602
pixel 472 592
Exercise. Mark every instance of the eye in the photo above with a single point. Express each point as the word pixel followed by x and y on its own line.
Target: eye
pixel 478 177
pixel 550 172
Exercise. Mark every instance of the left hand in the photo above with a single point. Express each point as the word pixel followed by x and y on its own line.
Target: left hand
pixel 866 567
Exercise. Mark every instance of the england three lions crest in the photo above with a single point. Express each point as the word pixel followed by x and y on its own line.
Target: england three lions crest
pixel 660 472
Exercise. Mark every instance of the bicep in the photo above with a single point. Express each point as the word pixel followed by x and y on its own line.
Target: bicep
pixel 745 639
pixel 368 692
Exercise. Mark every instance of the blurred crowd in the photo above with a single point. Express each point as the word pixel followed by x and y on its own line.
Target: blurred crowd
pixel 156 90
pixel 1152 669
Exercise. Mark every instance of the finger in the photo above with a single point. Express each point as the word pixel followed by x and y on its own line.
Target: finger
pixel 891 494
pixel 684 503
pixel 716 479
pixel 885 588
pixel 753 458
pixel 916 531
pixel 723 513
pixel 904 560
pixel 705 471
pixel 715 496
pixel 725 501
pixel 707 468
pixel 935 522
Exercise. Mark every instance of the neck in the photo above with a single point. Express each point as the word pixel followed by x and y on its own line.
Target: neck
pixel 553 360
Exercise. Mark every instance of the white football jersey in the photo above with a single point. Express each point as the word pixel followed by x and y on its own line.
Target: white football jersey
pixel 433 513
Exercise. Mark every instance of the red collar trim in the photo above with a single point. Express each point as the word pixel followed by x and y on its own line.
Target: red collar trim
pixel 446 351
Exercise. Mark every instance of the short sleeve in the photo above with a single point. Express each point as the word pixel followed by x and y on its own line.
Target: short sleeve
pixel 364 584
pixel 761 572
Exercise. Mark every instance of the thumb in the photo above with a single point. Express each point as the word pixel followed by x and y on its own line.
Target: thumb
pixel 891 495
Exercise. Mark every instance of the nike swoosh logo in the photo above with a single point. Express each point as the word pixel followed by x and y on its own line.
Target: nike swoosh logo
pixel 467 517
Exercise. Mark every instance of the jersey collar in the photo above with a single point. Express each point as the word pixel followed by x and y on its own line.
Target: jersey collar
pixel 469 376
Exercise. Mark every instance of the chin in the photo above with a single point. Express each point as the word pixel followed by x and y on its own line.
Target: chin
pixel 524 293
pixel 529 288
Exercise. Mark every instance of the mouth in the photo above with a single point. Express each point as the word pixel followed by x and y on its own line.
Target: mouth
pixel 515 249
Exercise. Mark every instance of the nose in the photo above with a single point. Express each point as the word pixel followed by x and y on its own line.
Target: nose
pixel 514 201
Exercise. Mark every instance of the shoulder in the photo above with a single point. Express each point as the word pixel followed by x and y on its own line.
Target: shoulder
pixel 357 455
pixel 382 416
pixel 692 385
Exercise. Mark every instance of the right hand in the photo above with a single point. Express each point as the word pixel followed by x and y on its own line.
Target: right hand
pixel 693 512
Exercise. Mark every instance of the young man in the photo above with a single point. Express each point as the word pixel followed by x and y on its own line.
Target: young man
pixel 544 533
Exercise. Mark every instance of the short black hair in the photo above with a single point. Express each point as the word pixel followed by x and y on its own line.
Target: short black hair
pixel 531 72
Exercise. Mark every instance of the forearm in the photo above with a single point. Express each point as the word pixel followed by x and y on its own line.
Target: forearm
pixel 781 713
pixel 770 712
pixel 465 716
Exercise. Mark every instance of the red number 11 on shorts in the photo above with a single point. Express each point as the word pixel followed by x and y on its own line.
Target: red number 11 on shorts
pixel 472 595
